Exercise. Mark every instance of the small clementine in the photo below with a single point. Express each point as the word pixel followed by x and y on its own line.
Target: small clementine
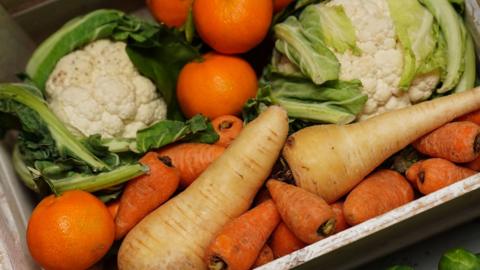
pixel 171 12
pixel 72 231
pixel 233 26
pixel 218 85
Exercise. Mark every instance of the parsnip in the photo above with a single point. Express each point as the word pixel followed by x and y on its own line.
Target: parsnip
pixel 330 160
pixel 176 234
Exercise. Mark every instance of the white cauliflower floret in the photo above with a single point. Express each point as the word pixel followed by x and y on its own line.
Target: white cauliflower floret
pixel 380 64
pixel 97 90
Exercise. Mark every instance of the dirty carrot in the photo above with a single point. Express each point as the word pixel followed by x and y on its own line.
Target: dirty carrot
pixel 113 207
pixel 227 127
pixel 436 173
pixel 284 242
pixel 145 193
pixel 239 243
pixel 340 222
pixel 265 256
pixel 379 193
pixel 191 159
pixel 473 117
pixel 307 215
pixel 455 141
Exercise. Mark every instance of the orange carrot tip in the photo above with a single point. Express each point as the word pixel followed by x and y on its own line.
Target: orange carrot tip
pixel 377 194
pixel 265 256
pixel 412 173
pixel 146 192
pixel 455 141
pixel 474 164
pixel 284 242
pixel 113 207
pixel 227 127
pixel 340 224
pixel 239 243
pixel 307 215
pixel 437 173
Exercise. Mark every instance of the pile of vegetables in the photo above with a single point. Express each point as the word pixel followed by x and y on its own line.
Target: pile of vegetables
pixel 362 102
pixel 51 154
pixel 340 61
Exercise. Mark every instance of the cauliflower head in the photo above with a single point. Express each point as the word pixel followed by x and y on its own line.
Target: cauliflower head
pixel 97 90
pixel 379 66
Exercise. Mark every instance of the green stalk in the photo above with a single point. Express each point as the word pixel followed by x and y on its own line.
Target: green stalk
pixel 315 112
pixel 59 132
pixel 92 183
pixel 467 81
pixel 22 170
pixel 447 18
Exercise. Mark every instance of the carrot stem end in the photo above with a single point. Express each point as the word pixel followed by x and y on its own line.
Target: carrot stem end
pixel 327 228
pixel 476 144
pixel 216 263
pixel 225 125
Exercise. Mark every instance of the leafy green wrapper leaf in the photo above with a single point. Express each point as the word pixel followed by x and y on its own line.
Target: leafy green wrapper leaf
pixel 332 102
pixel 308 52
pixel 198 129
pixel 332 25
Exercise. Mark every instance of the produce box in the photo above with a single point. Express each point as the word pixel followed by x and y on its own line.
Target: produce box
pixel 348 249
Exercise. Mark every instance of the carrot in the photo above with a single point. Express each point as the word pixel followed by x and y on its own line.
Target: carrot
pixel 340 222
pixel 412 171
pixel 330 160
pixel 227 127
pixel 176 235
pixel 473 117
pixel 239 243
pixel 146 192
pixel 474 164
pixel 113 207
pixel 265 256
pixel 379 193
pixel 437 173
pixel 284 242
pixel 191 159
pixel 456 141
pixel 307 215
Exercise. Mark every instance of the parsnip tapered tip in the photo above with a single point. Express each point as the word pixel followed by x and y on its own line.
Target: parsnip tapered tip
pixel 278 109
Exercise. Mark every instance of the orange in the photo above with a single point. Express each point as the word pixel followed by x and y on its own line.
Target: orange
pixel 72 231
pixel 278 5
pixel 218 85
pixel 232 26
pixel 171 12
